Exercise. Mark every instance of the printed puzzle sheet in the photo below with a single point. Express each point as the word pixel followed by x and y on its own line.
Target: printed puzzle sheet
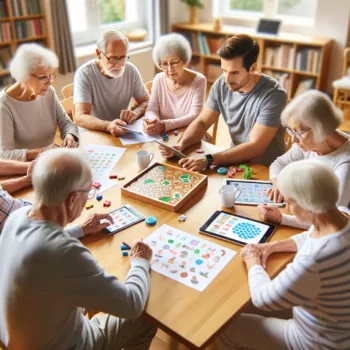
pixel 239 229
pixel 166 184
pixel 186 258
pixel 102 161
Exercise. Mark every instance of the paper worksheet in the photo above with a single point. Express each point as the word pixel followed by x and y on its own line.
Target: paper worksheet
pixel 131 138
pixel 186 258
pixel 102 161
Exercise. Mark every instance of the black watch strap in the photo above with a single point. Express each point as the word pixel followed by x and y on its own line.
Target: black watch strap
pixel 209 160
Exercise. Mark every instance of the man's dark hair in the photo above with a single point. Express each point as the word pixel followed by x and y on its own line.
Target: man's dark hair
pixel 240 45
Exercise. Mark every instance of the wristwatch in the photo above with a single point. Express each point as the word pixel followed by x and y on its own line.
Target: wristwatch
pixel 209 160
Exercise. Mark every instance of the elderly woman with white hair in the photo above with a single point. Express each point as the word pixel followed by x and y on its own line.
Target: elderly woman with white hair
pixel 315 285
pixel 312 121
pixel 30 111
pixel 178 93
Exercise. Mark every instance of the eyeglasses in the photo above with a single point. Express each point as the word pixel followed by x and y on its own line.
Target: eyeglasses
pixel 172 64
pixel 297 135
pixel 45 79
pixel 91 192
pixel 116 60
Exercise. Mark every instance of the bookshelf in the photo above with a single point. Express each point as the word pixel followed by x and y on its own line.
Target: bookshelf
pixel 21 21
pixel 299 62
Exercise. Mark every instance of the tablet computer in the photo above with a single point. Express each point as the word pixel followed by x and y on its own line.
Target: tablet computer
pixel 123 217
pixel 237 229
pixel 252 192
pixel 177 153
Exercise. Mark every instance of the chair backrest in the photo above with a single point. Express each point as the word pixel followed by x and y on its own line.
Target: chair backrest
pixel 68 106
pixel 68 90
pixel 346 63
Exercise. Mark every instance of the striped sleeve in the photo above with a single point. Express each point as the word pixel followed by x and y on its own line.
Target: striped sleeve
pixel 294 286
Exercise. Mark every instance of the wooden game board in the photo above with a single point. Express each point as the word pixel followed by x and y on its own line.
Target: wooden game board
pixel 165 186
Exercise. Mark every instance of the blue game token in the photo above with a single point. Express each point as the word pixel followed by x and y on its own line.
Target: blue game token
pixel 124 247
pixel 222 171
pixel 99 197
pixel 151 220
pixel 125 253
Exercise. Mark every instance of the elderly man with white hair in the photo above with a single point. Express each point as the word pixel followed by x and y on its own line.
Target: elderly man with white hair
pixel 312 121
pixel 103 87
pixel 178 93
pixel 30 110
pixel 314 286
pixel 47 276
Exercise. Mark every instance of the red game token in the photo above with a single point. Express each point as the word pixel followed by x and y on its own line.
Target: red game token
pixel 199 150
pixel 96 184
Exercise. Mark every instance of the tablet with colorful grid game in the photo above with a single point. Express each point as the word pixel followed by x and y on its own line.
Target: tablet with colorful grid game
pixel 237 229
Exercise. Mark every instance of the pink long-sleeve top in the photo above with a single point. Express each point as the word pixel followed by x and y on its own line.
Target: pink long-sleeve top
pixel 175 110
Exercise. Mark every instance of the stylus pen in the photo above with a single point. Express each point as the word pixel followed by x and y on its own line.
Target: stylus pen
pixel 126 245
pixel 276 204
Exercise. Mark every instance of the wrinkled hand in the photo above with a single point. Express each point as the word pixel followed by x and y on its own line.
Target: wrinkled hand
pixel 93 223
pixel 128 116
pixel 141 250
pixel 273 193
pixel 69 142
pixel 166 153
pixel 251 255
pixel 194 164
pixel 153 126
pixel 113 127
pixel 270 213
pixel 265 250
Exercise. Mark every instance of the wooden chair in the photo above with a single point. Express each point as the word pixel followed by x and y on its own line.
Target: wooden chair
pixel 68 106
pixel 342 86
pixel 68 90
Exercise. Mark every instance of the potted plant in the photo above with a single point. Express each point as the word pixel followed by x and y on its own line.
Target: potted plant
pixel 193 5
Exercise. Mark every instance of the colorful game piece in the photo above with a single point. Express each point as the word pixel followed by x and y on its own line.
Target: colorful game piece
pixel 125 253
pixel 121 177
pixel 99 197
pixel 239 170
pixel 151 220
pixel 89 205
pixel 222 171
pixel 230 174
pixel 243 166
pixel 124 247
pixel 107 203
pixel 182 218
pixel 248 173
pixel 113 176
pixel 96 185
pixel 176 132
pixel 166 137
pixel 199 150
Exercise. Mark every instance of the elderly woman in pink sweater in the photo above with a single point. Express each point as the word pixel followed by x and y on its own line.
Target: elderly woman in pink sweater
pixel 178 93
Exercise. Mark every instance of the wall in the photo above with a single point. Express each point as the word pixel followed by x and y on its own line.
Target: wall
pixel 332 20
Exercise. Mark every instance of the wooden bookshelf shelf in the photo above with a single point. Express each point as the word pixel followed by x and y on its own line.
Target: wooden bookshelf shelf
pixel 298 61
pixel 20 23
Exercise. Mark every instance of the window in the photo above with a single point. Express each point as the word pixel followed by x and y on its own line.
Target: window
pixel 88 18
pixel 300 12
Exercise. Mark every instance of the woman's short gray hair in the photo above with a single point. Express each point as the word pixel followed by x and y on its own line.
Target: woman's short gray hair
pixel 172 44
pixel 315 110
pixel 312 184
pixel 59 172
pixel 111 35
pixel 28 58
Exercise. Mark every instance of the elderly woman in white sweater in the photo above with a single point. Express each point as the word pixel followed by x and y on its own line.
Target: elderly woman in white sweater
pixel 315 286
pixel 30 111
pixel 312 121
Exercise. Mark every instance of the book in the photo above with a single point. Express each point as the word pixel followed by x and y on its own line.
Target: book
pixel 304 85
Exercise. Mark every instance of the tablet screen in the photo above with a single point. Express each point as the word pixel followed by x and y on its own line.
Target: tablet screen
pixel 237 228
pixel 122 217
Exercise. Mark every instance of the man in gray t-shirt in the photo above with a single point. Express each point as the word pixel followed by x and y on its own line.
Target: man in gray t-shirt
pixel 250 103
pixel 104 87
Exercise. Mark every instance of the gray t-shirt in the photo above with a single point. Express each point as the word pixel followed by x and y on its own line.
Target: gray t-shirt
pixel 262 105
pixel 107 96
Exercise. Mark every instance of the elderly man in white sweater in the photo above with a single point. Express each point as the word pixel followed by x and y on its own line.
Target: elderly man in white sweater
pixel 315 285
pixel 47 276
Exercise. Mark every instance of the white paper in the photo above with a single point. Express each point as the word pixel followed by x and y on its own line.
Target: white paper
pixel 186 258
pixel 102 160
pixel 132 138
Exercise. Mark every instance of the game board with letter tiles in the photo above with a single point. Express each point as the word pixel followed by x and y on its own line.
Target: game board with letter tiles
pixel 165 186
pixel 186 258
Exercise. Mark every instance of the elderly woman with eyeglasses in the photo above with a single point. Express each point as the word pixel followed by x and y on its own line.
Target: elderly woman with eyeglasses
pixel 312 121
pixel 313 290
pixel 30 111
pixel 178 93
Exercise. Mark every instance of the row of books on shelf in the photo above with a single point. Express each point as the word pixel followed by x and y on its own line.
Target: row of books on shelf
pixel 283 78
pixel 29 28
pixel 3 9
pixel 5 56
pixel 5 31
pixel 280 57
pixel 26 7
pixel 308 60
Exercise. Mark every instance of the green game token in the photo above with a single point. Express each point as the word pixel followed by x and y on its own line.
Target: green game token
pixel 185 176
pixel 162 167
pixel 149 181
pixel 177 195
pixel 165 199
pixel 166 183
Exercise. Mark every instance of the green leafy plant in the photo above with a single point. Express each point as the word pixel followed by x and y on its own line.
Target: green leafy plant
pixel 193 3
